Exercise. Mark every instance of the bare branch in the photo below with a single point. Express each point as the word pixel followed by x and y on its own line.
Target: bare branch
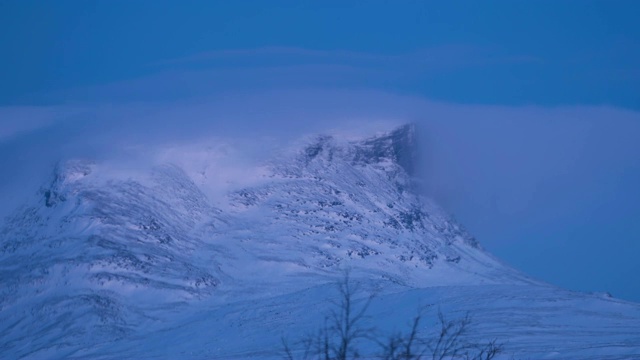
pixel 345 325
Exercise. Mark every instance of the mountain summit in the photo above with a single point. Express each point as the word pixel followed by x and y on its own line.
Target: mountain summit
pixel 395 147
pixel 104 263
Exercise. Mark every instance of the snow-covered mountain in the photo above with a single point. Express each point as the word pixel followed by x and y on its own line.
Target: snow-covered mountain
pixel 108 263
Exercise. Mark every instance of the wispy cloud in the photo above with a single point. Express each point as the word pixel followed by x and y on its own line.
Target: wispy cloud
pixel 286 68
pixel 452 55
pixel 15 120
pixel 286 53
pixel 526 177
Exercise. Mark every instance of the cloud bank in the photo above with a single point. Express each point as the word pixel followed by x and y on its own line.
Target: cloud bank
pixel 536 185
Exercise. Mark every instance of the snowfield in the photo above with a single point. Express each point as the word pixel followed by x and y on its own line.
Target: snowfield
pixel 103 263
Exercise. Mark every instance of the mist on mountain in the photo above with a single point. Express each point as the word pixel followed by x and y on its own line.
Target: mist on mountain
pixel 518 177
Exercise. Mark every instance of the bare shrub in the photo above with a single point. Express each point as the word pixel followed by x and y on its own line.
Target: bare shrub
pixel 342 327
pixel 345 325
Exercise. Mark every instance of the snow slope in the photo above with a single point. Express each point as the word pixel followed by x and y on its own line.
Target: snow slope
pixel 107 263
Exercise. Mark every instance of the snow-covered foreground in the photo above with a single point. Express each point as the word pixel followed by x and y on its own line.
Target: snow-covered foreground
pixel 107 262
pixel 532 322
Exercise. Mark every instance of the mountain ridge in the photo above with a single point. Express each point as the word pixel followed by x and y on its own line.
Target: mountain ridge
pixel 127 255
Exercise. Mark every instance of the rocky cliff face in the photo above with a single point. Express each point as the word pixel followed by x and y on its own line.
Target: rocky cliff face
pixel 354 204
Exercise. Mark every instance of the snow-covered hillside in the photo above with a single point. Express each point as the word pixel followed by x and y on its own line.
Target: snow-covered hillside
pixel 108 263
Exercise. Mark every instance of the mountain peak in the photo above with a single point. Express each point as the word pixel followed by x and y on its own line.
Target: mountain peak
pixel 397 146
pixel 65 173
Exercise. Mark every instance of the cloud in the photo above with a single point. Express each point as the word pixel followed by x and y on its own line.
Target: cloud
pixel 509 160
pixel 532 183
pixel 15 120
pixel 488 160
pixel 437 57
pixel 285 68
pixel 281 53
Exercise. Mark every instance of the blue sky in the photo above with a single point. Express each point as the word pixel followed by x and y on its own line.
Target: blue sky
pixel 531 107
